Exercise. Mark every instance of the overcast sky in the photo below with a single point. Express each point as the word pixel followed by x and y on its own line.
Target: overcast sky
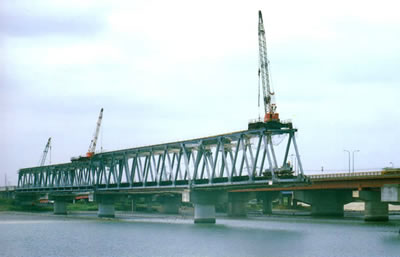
pixel 174 70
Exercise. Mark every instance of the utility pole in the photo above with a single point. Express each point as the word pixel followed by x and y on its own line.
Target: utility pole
pixel 349 158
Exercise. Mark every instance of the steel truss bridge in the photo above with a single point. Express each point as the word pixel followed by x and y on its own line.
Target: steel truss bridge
pixel 239 158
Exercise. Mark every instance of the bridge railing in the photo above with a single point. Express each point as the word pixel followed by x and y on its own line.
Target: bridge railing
pixel 345 175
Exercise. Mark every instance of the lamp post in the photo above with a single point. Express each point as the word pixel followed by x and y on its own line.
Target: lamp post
pixel 349 157
pixel 355 151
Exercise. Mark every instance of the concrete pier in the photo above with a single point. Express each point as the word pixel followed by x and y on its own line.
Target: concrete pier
pixel 375 210
pixel 390 193
pixel 106 210
pixel 204 205
pixel 204 213
pixel 325 202
pixel 105 205
pixel 60 202
pixel 321 207
pixel 267 198
pixel 60 207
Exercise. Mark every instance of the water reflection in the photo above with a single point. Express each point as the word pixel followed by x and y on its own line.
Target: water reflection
pixel 48 235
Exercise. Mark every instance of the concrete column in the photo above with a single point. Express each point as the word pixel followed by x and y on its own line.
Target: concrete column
pixel 390 193
pixel 60 207
pixel 294 204
pixel 60 202
pixel 204 205
pixel 105 205
pixel 324 207
pixel 375 210
pixel 267 198
pixel 237 205
pixel 204 213
pixel 325 202
pixel 289 200
pixel 106 210
pixel 267 206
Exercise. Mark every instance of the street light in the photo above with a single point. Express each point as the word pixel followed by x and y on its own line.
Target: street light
pixel 355 151
pixel 349 157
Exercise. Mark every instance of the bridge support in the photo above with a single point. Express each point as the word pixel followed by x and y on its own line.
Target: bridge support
pixel 60 203
pixel 390 193
pixel 375 210
pixel 204 213
pixel 204 205
pixel 106 205
pixel 286 198
pixel 60 207
pixel 237 205
pixel 170 204
pixel 267 199
pixel 325 202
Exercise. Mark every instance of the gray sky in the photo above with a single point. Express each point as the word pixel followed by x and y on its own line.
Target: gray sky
pixel 174 70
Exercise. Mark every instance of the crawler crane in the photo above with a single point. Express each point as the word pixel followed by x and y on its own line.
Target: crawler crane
pixel 271 118
pixel 92 146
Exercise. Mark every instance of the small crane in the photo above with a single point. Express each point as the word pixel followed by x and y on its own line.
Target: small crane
pixel 92 146
pixel 45 151
pixel 263 72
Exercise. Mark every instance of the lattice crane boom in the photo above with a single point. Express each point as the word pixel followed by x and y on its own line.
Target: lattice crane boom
pixel 263 72
pixel 92 146
pixel 45 151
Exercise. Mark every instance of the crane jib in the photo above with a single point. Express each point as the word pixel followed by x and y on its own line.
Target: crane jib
pixel 269 101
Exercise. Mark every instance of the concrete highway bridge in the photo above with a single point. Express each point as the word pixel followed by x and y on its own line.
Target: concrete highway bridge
pixel 232 168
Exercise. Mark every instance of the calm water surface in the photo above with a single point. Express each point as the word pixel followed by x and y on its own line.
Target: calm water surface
pixel 155 235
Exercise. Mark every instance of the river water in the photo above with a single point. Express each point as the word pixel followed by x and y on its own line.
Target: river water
pixel 168 235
